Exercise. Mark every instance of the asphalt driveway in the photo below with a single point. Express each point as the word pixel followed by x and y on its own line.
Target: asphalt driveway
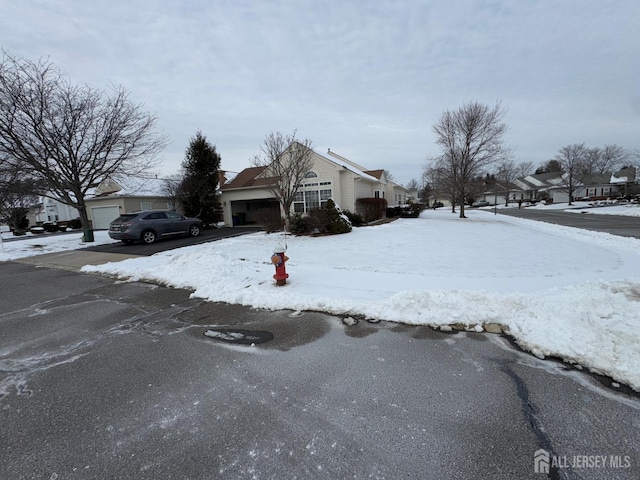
pixel 208 235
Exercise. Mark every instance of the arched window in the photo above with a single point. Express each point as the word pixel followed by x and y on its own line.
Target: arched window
pixel 311 174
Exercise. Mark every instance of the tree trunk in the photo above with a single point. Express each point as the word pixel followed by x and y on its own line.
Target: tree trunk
pixel 86 224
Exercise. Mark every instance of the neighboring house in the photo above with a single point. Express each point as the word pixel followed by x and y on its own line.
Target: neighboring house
pixel 550 187
pixel 50 210
pixel 413 195
pixel 115 196
pixel 499 191
pixel 394 194
pixel 536 187
pixel 627 181
pixel 244 196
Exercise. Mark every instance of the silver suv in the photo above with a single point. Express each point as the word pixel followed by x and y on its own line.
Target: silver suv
pixel 149 225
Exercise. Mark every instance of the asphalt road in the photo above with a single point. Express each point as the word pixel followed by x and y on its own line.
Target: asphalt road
pixel 625 226
pixel 102 379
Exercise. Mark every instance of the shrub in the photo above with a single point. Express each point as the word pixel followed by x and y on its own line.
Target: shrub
pixel 337 221
pixel 299 224
pixel 317 220
pixel 411 210
pixel 270 219
pixel 371 208
pixel 355 218
pixel 393 212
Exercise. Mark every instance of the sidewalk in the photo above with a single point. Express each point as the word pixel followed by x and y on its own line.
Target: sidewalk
pixel 74 260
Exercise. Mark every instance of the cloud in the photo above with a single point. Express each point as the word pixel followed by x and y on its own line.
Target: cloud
pixel 372 76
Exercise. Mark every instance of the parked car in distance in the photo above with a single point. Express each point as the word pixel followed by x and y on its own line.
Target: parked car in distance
pixel 480 203
pixel 150 225
pixel 437 205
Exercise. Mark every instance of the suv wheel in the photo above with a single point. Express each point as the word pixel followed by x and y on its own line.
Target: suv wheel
pixel 148 236
pixel 194 230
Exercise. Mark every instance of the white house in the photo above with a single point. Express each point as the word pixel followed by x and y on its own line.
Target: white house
pixel 331 176
pixel 51 210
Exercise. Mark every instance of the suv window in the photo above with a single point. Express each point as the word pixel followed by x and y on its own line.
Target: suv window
pixel 126 217
pixel 174 215
pixel 155 216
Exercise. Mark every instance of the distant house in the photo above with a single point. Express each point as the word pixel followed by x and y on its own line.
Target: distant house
pixel 115 196
pixel 51 210
pixel 330 177
pixel 550 187
pixel 627 181
pixel 536 187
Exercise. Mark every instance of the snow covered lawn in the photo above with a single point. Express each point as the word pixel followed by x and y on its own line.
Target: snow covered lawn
pixel 558 291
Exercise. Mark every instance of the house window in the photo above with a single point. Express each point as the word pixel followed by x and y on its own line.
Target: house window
pixel 145 205
pixel 307 200
pixel 311 200
pixel 311 174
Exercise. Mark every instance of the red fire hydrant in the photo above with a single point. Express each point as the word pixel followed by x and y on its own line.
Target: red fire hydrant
pixel 278 259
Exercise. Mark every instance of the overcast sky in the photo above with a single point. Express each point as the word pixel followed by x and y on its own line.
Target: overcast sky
pixel 366 78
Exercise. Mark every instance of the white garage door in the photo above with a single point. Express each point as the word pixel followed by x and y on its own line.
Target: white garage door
pixel 103 216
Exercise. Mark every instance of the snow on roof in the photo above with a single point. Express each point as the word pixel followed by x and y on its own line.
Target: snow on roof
pixel 133 186
pixel 349 166
pixel 615 179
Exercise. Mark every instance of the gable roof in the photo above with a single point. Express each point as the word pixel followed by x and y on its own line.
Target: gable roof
pixel 249 177
pixel 375 173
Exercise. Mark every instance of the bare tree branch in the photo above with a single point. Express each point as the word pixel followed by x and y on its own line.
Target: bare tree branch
pixel 287 161
pixel 71 137
pixel 572 160
pixel 471 139
pixel 524 169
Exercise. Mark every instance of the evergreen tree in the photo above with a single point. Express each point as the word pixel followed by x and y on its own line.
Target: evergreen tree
pixel 338 223
pixel 197 191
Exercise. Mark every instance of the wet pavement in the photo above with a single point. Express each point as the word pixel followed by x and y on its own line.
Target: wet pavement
pixel 104 379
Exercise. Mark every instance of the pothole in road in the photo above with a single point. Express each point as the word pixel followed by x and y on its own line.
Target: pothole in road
pixel 243 337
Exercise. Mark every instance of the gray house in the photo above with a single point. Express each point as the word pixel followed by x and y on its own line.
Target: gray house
pixel 550 187
pixel 115 196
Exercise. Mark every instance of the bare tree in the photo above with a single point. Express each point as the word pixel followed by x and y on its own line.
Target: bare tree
pixel 412 184
pixel 18 193
pixel 171 187
pixel 389 175
pixel 287 161
pixel 471 139
pixel 440 179
pixel 572 159
pixel 506 174
pixel 605 160
pixel 524 168
pixel 71 137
